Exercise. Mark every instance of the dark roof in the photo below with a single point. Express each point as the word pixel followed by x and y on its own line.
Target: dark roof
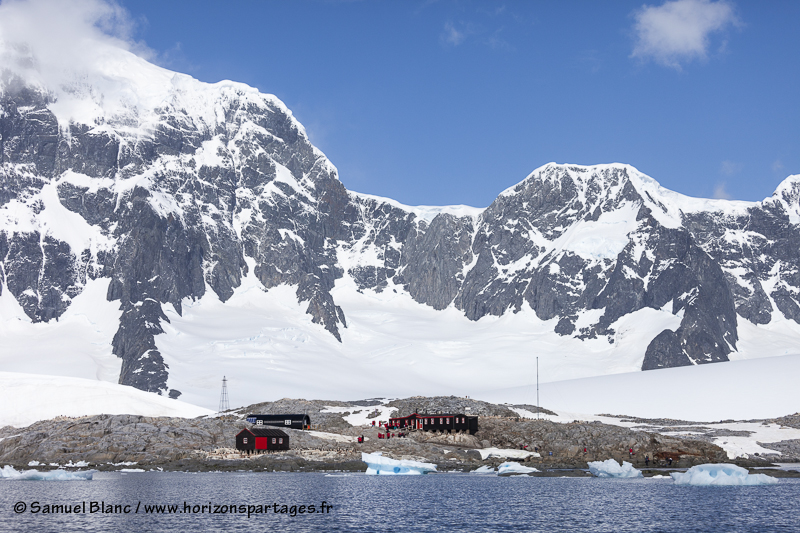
pixel 264 432
pixel 279 417
pixel 430 415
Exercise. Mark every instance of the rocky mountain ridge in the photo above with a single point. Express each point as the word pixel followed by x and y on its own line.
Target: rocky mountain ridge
pixel 182 187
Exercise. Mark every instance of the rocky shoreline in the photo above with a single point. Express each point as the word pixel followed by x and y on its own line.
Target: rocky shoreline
pixel 115 442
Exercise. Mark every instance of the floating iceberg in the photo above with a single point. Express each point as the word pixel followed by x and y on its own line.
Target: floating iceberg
pixel 9 472
pixel 514 468
pixel 485 469
pixel 377 465
pixel 610 468
pixel 721 474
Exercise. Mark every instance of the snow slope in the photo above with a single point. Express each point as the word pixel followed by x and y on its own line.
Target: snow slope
pixel 739 390
pixel 266 345
pixel 78 344
pixel 26 398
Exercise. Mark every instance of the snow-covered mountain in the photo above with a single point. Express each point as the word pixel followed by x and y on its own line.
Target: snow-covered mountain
pixel 162 231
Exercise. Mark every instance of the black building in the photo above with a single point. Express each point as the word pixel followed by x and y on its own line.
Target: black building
pixel 261 439
pixel 285 421
pixel 438 422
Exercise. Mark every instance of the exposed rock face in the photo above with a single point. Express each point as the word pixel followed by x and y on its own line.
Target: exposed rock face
pixel 189 195
pixel 601 441
pixel 107 442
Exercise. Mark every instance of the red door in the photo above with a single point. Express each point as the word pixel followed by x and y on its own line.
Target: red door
pixel 261 443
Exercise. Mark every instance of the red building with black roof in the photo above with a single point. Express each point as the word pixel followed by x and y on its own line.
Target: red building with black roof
pixel 261 439
pixel 438 422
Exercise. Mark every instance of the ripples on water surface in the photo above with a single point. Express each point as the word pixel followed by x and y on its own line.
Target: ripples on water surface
pixel 438 502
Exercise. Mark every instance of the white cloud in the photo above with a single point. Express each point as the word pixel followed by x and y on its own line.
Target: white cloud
pixel 720 192
pixel 678 31
pixel 453 36
pixel 777 166
pixel 50 41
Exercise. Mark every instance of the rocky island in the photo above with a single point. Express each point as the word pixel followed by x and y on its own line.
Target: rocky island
pixel 114 442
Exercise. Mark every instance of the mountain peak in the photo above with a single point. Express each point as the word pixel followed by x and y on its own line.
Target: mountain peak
pixel 170 190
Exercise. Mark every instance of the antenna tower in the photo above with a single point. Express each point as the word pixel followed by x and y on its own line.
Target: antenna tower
pixel 223 398
pixel 537 389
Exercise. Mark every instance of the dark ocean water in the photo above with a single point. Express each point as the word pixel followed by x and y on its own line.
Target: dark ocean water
pixel 431 503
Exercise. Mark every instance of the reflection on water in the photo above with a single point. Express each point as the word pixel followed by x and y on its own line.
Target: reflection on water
pixel 171 501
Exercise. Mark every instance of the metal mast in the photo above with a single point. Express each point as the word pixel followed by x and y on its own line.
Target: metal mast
pixel 223 398
pixel 537 388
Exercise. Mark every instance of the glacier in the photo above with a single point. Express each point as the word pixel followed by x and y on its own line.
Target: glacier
pixel 378 465
pixel 720 474
pixel 611 468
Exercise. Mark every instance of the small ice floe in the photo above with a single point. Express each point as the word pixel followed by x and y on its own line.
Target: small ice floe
pixel 485 469
pixel 720 474
pixel 79 464
pixel 377 465
pixel 511 468
pixel 611 468
pixel 34 463
pixel 132 470
pixel 9 472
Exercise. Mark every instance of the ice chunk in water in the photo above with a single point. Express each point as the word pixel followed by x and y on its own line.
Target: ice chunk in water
pixel 720 474
pixel 514 468
pixel 9 472
pixel 378 465
pixel 485 469
pixel 610 468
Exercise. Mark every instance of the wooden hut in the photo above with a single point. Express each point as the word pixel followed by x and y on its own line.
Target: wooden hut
pixel 286 421
pixel 261 439
pixel 451 422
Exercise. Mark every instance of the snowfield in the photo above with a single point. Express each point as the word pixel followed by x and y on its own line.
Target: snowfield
pixel 27 398
pixel 735 390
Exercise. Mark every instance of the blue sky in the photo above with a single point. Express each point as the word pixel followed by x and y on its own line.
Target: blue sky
pixel 449 102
